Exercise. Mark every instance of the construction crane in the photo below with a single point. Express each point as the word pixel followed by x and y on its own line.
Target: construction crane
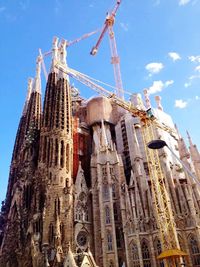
pixel 68 43
pixel 115 60
pixel 165 218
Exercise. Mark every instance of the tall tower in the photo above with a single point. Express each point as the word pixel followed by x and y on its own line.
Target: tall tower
pixel 55 160
pixel 16 213
pixel 195 156
pixel 107 178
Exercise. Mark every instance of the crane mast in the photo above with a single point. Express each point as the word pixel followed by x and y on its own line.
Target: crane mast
pixel 115 60
pixel 160 195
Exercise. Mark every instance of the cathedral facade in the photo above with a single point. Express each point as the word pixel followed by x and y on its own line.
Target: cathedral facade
pixel 79 190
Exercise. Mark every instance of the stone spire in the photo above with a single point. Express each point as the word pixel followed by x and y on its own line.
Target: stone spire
pixel 55 54
pixel 158 101
pixel 190 140
pixel 29 90
pixel 63 58
pixel 37 80
pixel 34 107
pixel 22 128
pixel 183 151
pixel 147 99
pixel 56 152
pixel 63 52
pixel 195 156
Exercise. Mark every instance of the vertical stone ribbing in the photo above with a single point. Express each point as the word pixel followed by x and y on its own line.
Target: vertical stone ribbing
pixel 56 162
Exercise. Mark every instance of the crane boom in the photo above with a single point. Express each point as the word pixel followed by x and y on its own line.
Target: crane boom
pixel 110 19
pixel 142 114
pixel 162 201
pixel 108 26
pixel 69 43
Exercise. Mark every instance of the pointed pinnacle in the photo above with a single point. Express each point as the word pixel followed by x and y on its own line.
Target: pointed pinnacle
pixel 29 90
pixel 37 80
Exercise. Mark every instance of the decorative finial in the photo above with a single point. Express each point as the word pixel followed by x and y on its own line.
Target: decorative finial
pixel 158 101
pixel 37 80
pixel 189 138
pixel 63 52
pixel 54 54
pixel 29 90
pixel 147 99
pixel 63 56
pixel 176 127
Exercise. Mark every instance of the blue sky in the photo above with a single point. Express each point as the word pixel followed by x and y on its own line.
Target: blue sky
pixel 158 42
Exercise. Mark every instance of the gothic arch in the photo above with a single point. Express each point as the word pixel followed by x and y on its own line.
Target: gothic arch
pixel 145 253
pixel 194 250
pixel 109 240
pixel 107 213
pixel 134 255
pixel 105 189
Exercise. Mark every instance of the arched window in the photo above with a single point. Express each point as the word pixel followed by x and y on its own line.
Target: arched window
pixel 27 196
pixel 134 256
pixel 56 152
pixel 51 233
pixel 86 217
pixel 113 190
pixel 107 211
pixel 118 236
pixel 158 250
pixel 57 206
pixel 146 254
pixel 105 192
pixel 62 154
pixel 109 239
pixel 45 149
pixel 67 157
pixel 104 171
pixel 194 248
pixel 115 211
pixel 62 228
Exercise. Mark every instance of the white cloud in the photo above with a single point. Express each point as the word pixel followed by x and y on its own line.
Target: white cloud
pixel 197 68
pixel 195 59
pixel 194 77
pixel 183 2
pixel 174 56
pixel 154 67
pixel 186 85
pixel 168 83
pixel 197 97
pixel 158 86
pixel 124 26
pixel 179 103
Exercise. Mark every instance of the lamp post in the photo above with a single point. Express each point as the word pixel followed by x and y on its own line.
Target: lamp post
pixel 158 144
